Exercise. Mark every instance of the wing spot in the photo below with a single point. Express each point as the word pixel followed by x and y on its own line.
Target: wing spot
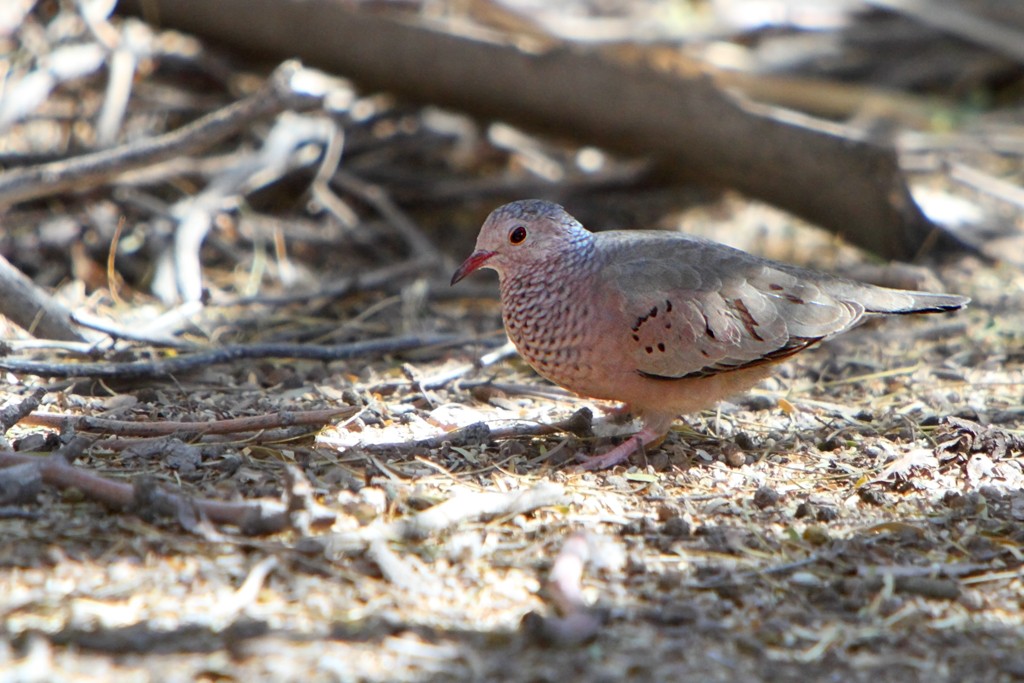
pixel 661 347
pixel 775 288
pixel 636 337
pixel 649 349
pixel 707 326
pixel 653 313
pixel 794 299
pixel 668 306
pixel 748 320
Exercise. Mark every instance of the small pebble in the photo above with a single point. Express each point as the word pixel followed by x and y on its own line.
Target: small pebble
pixel 758 402
pixel 676 527
pixel 667 511
pixel 765 497
pixel 826 513
pixel 816 535
pixel 744 441
pixel 871 496
pixel 831 444
pixel 618 483
pixel 659 461
pixel 734 456
pixel 37 442
pixel 805 579
pixel 972 600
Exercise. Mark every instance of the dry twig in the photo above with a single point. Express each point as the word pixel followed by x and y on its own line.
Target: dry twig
pixel 463 507
pixel 197 361
pixel 15 413
pixel 820 171
pixel 371 280
pixel 86 423
pixel 31 308
pixel 145 497
pixel 577 621
pixel 87 171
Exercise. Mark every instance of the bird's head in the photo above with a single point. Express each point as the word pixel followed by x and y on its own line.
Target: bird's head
pixel 523 235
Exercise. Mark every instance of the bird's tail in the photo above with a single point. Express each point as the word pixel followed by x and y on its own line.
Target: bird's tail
pixel 903 302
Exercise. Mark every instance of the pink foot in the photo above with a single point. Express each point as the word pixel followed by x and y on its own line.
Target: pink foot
pixel 644 437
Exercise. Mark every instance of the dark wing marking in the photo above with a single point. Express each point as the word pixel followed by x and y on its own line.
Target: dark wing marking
pixel 792 347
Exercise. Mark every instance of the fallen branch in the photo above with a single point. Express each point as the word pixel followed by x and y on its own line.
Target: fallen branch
pixel 822 172
pixel 30 307
pixel 579 423
pixel 92 170
pixel 372 280
pixel 197 361
pixel 156 332
pixel 966 22
pixel 146 498
pixel 85 423
pixel 19 484
pixel 417 242
pixel 464 507
pixel 576 620
pixel 440 379
pixel 15 413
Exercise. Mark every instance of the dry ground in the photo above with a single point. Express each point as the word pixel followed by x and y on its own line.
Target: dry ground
pixel 856 518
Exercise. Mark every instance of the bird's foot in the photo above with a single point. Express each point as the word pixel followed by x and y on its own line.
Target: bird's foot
pixel 645 437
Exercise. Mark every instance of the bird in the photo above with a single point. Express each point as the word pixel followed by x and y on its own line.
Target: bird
pixel 663 322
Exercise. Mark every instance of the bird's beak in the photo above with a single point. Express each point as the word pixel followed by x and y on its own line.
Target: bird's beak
pixel 477 259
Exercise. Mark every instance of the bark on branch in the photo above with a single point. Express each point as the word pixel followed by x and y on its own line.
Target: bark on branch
pixel 91 170
pixel 31 308
pixel 691 128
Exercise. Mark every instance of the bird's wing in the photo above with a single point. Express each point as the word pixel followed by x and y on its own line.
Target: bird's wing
pixel 693 308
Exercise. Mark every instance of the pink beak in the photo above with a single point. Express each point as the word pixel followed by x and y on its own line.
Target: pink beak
pixel 476 260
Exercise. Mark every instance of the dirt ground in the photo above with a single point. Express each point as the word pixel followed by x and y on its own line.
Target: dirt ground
pixel 857 517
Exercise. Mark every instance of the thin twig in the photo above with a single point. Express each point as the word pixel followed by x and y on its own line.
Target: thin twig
pixel 197 361
pixel 576 621
pixel 281 151
pixel 144 496
pixel 148 333
pixel 85 423
pixel 440 379
pixel 419 245
pixel 13 414
pixel 366 281
pixel 464 507
pixel 91 170
pixel 579 423
pixel 988 183
pixel 1000 37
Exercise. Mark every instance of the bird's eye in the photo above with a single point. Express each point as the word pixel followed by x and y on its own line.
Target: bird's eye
pixel 517 235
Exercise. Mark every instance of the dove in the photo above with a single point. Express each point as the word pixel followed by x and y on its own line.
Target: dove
pixel 662 322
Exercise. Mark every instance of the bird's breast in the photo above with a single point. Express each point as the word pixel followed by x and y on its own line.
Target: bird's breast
pixel 548 325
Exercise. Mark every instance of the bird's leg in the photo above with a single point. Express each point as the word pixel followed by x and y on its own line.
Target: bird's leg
pixel 653 433
pixel 618 414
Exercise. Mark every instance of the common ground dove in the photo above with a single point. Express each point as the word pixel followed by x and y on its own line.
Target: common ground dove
pixel 663 322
